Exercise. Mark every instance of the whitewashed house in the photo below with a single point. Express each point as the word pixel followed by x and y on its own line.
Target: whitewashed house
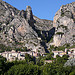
pixel 13 55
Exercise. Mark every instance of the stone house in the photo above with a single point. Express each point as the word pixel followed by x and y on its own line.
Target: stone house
pixel 57 53
pixel 48 61
pixel 71 55
pixel 12 55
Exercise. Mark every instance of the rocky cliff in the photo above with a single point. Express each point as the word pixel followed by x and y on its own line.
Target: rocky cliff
pixel 64 23
pixel 20 29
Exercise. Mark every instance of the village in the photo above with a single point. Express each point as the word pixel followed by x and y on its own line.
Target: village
pixel 13 55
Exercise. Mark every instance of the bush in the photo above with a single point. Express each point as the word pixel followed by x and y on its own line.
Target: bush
pixel 60 33
pixel 72 73
pixel 51 40
pixel 21 49
pixel 65 27
pixel 4 48
pixel 62 13
pixel 24 69
pixel 74 20
pixel 73 35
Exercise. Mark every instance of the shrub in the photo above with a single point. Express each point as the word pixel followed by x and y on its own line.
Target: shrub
pixel 74 20
pixel 62 13
pixel 60 33
pixel 65 27
pixel 73 35
pixel 4 48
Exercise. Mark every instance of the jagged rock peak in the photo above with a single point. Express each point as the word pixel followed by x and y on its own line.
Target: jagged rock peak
pixel 28 8
pixel 22 13
pixel 29 14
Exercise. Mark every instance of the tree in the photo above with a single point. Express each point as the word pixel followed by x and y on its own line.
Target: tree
pixel 24 69
pixel 72 73
pixel 29 58
pixel 2 64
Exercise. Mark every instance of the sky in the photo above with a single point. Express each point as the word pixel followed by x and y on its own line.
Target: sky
pixel 44 9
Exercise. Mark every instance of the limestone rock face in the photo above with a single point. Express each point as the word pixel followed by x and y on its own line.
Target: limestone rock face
pixel 70 62
pixel 19 29
pixel 42 24
pixel 64 22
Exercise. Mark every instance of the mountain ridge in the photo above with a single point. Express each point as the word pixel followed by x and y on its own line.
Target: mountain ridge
pixel 22 27
pixel 19 29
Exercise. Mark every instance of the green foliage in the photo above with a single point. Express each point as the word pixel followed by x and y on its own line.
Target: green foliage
pixel 57 48
pixel 60 33
pixel 51 40
pixel 60 48
pixel 2 64
pixel 18 43
pixel 39 33
pixel 65 27
pixel 61 60
pixel 4 48
pixel 24 69
pixel 73 46
pixel 73 35
pixel 44 37
pixel 62 13
pixel 29 58
pixel 40 61
pixel 55 68
pixel 21 49
pixel 74 20
pixel 67 45
pixel 30 66
pixel 72 73
pixel 52 47
pixel 49 56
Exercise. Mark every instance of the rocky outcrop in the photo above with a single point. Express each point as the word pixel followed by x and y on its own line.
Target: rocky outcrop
pixel 20 29
pixel 42 24
pixel 64 22
pixel 70 62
